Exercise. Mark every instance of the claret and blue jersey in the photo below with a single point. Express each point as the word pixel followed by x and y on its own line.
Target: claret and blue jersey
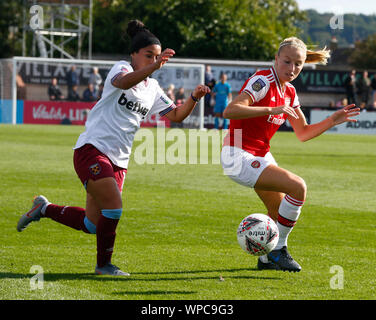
pixel 115 119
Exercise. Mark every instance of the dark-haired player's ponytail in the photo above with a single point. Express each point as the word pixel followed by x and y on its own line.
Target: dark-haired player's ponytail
pixel 134 27
pixel 140 36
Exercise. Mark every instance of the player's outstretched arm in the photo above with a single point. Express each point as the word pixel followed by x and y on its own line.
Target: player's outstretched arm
pixel 241 108
pixel 305 131
pixel 126 81
pixel 180 113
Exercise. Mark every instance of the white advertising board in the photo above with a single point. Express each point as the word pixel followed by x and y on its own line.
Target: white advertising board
pixel 236 76
pixel 366 123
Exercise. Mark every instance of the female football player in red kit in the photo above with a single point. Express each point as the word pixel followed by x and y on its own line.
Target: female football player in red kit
pixel 103 150
pixel 265 101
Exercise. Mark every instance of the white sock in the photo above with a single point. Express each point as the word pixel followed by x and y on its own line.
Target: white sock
pixel 43 210
pixel 289 211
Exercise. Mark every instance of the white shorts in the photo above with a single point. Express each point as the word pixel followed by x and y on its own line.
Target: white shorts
pixel 242 166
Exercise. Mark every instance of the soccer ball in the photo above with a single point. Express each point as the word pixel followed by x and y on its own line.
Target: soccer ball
pixel 257 234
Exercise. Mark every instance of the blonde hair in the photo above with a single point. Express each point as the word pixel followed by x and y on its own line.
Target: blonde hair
pixel 319 56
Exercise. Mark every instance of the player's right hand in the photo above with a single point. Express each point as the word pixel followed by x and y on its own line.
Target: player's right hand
pixel 163 58
pixel 286 110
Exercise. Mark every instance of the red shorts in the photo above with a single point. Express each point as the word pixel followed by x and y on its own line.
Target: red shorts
pixel 90 163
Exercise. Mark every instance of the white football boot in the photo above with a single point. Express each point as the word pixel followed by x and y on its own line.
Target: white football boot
pixel 34 214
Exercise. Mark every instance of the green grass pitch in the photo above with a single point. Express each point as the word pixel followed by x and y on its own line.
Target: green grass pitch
pixel 177 235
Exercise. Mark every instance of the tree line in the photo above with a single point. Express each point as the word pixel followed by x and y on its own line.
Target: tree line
pixel 221 29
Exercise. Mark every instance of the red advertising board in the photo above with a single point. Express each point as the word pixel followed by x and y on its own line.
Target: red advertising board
pixel 56 112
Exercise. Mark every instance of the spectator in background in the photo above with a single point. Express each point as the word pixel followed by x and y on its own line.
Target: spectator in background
pixel 21 88
pixel 333 46
pixel 209 82
pixel 332 105
pixel 90 94
pixel 342 103
pixel 95 79
pixel 364 85
pixel 180 97
pixel 222 94
pixel 373 87
pixel 54 91
pixel 208 75
pixel 170 92
pixel 73 94
pixel 72 79
pixel 350 87
pixel 363 107
pixel 100 91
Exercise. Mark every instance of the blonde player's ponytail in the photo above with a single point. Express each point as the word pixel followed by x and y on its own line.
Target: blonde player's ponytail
pixel 319 56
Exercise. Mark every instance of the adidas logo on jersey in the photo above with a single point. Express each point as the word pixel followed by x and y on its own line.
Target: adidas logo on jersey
pixel 132 106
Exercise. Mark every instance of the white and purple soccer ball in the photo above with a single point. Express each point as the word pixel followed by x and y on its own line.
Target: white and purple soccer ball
pixel 257 234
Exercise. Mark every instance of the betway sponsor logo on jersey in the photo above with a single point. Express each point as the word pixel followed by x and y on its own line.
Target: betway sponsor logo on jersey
pixel 132 106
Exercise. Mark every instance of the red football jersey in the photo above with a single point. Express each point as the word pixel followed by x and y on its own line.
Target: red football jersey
pixel 255 133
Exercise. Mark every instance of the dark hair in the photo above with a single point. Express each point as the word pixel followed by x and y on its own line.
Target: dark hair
pixel 141 37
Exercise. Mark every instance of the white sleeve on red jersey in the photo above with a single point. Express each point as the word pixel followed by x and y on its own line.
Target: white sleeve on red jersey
pixel 257 87
pixel 296 102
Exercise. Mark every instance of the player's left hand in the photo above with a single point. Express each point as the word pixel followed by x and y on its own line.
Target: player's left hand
pixel 346 114
pixel 200 91
pixel 163 58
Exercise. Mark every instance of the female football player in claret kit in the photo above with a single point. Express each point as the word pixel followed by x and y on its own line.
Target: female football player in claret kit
pixel 265 101
pixel 103 150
